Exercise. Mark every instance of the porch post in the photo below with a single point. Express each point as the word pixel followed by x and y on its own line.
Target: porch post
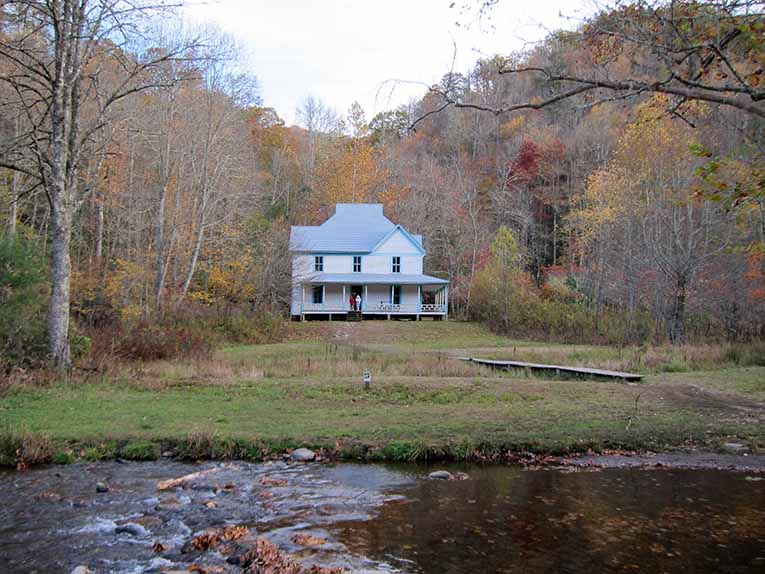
pixel 302 301
pixel 446 302
pixel 345 301
pixel 419 298
pixel 364 302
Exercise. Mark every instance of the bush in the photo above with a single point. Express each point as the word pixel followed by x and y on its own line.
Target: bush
pixel 146 342
pixel 509 303
pixel 103 451
pixel 179 337
pixel 140 450
pixel 746 355
pixel 24 449
pixel 64 457
pixel 254 329
pixel 23 300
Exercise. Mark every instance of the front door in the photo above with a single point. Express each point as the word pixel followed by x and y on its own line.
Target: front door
pixel 356 290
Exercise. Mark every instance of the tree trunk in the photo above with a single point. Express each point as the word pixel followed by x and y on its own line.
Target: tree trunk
pixel 13 212
pixel 161 270
pixel 59 195
pixel 99 229
pixel 61 271
pixel 677 321
pixel 197 246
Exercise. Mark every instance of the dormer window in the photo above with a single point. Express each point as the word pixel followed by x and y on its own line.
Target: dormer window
pixel 396 264
pixel 318 263
pixel 357 263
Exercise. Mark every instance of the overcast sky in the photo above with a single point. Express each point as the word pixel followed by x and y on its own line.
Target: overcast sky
pixel 343 51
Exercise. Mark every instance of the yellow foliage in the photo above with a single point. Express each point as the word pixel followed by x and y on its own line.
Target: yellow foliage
pixel 227 283
pixel 352 176
pixel 123 286
pixel 653 162
pixel 512 126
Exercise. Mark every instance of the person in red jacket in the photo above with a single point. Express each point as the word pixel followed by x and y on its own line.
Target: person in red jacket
pixel 353 303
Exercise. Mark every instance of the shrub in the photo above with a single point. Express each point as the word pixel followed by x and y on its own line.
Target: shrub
pixel 508 302
pixel 140 450
pixel 24 449
pixel 64 457
pixel 746 355
pixel 103 451
pixel 198 445
pixel 23 299
pixel 147 342
pixel 254 329
pixel 10 444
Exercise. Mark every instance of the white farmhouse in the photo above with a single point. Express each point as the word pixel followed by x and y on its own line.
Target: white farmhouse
pixel 359 251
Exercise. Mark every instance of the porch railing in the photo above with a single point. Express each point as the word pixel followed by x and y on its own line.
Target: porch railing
pixel 406 308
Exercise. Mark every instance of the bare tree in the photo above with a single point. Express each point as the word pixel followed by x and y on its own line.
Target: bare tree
pixel 56 54
pixel 703 51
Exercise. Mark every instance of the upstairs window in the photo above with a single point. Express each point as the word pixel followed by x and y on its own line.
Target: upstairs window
pixel 357 263
pixel 318 294
pixel 396 265
pixel 318 263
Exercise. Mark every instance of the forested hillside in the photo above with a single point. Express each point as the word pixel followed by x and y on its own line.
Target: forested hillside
pixel 607 185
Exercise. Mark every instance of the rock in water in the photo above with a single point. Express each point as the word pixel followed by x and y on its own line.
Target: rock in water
pixel 82 570
pixel 302 455
pixel 131 528
pixel 101 487
pixel 441 475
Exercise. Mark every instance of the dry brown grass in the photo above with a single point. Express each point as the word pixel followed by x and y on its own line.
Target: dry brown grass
pixel 342 363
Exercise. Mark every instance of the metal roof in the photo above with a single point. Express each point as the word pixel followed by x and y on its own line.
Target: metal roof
pixel 354 228
pixel 373 279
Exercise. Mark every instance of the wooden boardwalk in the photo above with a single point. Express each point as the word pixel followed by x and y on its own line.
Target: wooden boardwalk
pixel 557 369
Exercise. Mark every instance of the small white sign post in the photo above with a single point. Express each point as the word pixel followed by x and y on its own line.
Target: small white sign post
pixel 367 379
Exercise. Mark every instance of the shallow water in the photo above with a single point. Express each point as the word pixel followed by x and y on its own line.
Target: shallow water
pixel 613 520
pixel 389 518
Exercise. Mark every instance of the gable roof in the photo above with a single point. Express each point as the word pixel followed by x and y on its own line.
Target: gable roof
pixel 409 236
pixel 354 228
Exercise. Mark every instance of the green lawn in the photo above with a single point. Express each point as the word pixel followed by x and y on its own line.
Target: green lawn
pixel 422 401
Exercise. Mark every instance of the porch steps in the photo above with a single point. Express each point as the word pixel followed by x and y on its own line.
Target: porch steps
pixel 354 315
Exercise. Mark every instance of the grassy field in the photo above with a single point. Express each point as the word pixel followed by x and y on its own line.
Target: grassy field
pixel 252 400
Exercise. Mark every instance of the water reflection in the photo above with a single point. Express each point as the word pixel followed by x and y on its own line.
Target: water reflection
pixel 510 520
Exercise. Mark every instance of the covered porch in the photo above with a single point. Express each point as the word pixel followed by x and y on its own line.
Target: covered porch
pixel 382 296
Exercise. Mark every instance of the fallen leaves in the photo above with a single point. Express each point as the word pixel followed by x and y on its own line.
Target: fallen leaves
pixel 267 481
pixel 211 539
pixel 207 541
pixel 305 539
pixel 266 558
pixel 262 557
pixel 235 532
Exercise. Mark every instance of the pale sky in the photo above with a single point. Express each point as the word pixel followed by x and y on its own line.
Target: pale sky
pixel 343 51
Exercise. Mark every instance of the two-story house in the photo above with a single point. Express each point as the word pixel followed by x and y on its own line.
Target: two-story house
pixel 359 251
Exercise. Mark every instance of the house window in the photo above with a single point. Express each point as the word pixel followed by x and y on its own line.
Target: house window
pixel 318 263
pixel 397 294
pixel 357 263
pixel 396 265
pixel 318 294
